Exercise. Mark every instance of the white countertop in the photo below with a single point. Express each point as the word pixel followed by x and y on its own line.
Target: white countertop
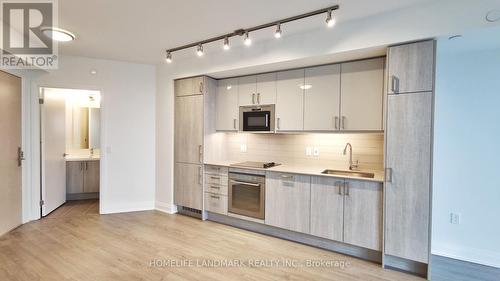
pixel 72 158
pixel 305 170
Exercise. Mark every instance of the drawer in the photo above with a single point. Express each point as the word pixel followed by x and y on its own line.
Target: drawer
pixel 216 203
pixel 216 170
pixel 215 179
pixel 216 188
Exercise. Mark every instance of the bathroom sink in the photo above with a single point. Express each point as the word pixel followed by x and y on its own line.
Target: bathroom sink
pixel 349 173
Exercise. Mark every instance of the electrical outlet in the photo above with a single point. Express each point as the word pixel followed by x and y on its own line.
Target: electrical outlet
pixel 243 148
pixel 309 151
pixel 316 151
pixel 454 218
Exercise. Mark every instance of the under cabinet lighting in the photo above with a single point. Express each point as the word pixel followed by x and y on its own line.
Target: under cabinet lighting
pixel 305 87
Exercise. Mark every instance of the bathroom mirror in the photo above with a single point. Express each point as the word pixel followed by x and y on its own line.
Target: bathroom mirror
pixel 86 127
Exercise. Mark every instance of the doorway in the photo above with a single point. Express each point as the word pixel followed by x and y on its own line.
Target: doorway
pixel 70 146
pixel 11 155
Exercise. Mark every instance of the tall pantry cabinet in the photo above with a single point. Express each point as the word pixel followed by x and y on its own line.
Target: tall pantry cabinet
pixel 192 97
pixel 408 156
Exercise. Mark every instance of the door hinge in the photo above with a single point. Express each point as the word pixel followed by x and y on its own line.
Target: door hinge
pixel 42 202
pixel 40 101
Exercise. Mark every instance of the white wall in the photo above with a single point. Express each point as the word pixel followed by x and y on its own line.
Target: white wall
pixel 431 19
pixel 128 127
pixel 467 151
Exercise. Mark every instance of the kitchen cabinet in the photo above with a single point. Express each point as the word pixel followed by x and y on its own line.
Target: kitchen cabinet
pixel 362 94
pixel 290 100
pixel 188 187
pixel 348 211
pixel 288 199
pixel 408 162
pixel 411 67
pixel 363 214
pixel 189 129
pixel 227 110
pixel 322 98
pixel 82 177
pixel 327 208
pixel 257 89
pixel 189 86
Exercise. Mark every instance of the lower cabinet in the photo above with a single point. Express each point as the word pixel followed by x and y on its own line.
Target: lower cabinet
pixel 188 187
pixel 349 211
pixel 288 199
pixel 82 177
pixel 216 189
pixel 216 203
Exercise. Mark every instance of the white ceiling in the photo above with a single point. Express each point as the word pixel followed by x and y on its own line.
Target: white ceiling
pixel 140 31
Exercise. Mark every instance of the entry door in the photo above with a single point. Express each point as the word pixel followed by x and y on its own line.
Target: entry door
pixel 10 143
pixel 53 149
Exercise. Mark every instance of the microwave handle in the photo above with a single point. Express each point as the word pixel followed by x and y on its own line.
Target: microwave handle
pixel 267 120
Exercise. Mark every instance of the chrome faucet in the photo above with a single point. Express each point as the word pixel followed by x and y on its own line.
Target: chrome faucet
pixel 351 164
pixel 91 151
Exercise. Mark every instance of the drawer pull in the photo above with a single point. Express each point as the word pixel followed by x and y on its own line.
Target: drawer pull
pixel 215 178
pixel 214 197
pixel 215 187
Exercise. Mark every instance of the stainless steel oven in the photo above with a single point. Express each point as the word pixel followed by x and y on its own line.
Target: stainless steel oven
pixel 258 118
pixel 247 195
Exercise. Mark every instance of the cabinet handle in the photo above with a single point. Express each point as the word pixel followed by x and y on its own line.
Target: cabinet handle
pixel 339 185
pixel 215 197
pixel 253 98
pixel 287 177
pixel 215 187
pixel 200 178
pixel 346 187
pixel 258 98
pixel 86 166
pixel 245 183
pixel 81 166
pixel 278 123
pixel 201 87
pixel 200 153
pixel 234 123
pixel 215 178
pixel 394 84
pixel 343 122
pixel 388 174
pixel 336 121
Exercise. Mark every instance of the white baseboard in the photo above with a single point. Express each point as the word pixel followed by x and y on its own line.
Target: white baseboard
pixel 479 256
pixel 166 207
pixel 127 207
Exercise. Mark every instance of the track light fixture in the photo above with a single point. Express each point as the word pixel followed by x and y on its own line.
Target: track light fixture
pixel 168 59
pixel 226 43
pixel 277 33
pixel 199 50
pixel 330 21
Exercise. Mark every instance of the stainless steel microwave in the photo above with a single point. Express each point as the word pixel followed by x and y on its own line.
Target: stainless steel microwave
pixel 257 118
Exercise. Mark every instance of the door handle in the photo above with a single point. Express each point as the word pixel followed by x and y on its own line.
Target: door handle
pixel 346 188
pixel 343 122
pixel 20 157
pixel 253 98
pixel 388 174
pixel 200 178
pixel 339 185
pixel 258 98
pixel 200 153
pixel 394 84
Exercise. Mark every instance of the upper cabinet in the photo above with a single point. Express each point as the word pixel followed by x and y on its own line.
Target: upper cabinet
pixel 322 98
pixel 257 89
pixel 226 116
pixel 189 86
pixel 290 100
pixel 411 68
pixel 362 94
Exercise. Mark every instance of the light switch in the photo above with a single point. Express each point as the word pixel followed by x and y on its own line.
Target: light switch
pixel 454 218
pixel 243 148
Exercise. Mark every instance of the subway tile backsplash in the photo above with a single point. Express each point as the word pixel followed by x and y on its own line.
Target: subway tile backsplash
pixel 368 148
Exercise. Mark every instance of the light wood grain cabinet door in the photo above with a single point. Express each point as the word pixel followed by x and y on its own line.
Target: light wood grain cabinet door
pixel 247 90
pixel 227 109
pixel 363 214
pixel 408 159
pixel 74 177
pixel 290 101
pixel 288 199
pixel 91 176
pixel 322 98
pixel 266 88
pixel 189 129
pixel 362 93
pixel 188 187
pixel 183 87
pixel 327 208
pixel 411 67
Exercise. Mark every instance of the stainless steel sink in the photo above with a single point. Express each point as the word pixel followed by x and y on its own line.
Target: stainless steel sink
pixel 349 173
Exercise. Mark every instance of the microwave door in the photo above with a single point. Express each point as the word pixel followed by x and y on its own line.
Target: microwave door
pixel 256 121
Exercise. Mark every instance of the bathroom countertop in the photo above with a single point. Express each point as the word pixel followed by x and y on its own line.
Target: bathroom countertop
pixel 73 158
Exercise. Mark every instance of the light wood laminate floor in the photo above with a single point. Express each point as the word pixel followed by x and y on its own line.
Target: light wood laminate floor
pixel 82 245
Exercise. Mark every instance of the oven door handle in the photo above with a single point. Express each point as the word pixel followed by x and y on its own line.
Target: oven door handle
pixel 246 183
